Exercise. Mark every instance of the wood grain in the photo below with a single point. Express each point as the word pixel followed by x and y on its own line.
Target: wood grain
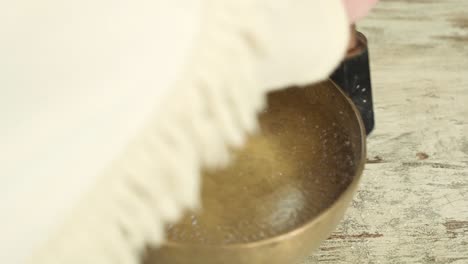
pixel 412 206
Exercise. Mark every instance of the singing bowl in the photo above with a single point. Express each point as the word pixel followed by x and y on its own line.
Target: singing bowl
pixel 285 190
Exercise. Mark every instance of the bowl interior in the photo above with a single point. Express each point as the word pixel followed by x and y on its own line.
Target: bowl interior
pixel 306 155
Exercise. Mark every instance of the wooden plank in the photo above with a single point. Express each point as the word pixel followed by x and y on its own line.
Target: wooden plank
pixel 412 206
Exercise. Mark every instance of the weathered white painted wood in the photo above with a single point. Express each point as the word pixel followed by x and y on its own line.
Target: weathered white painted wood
pixel 412 206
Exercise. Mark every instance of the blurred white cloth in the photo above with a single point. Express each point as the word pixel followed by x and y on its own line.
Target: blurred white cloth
pixel 79 80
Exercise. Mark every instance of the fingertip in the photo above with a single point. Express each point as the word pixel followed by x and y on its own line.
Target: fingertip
pixel 358 9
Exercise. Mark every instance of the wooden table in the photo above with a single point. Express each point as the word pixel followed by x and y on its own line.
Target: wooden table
pixel 412 206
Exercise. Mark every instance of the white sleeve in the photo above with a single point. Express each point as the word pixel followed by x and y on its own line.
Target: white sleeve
pixel 77 80
pixel 306 41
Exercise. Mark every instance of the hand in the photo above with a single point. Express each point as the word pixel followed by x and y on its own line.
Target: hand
pixel 358 9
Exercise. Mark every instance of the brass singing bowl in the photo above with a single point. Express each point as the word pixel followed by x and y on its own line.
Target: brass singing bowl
pixel 284 192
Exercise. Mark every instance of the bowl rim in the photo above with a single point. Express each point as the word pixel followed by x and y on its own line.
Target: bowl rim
pixel 350 190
